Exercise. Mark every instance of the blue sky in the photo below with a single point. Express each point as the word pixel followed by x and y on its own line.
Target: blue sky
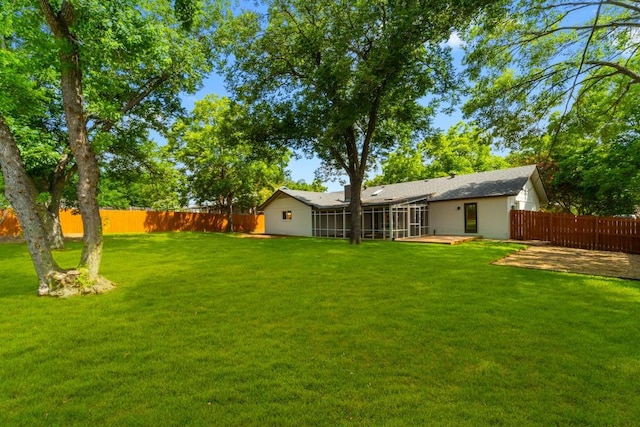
pixel 304 168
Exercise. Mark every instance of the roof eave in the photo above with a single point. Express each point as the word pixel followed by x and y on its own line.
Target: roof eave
pixel 271 199
pixel 486 196
pixel 536 179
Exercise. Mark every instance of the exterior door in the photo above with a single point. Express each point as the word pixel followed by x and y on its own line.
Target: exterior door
pixel 470 217
pixel 414 221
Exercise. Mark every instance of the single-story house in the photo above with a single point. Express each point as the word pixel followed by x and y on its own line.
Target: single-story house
pixel 474 204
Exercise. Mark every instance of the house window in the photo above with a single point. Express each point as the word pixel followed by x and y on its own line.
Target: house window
pixel 470 217
pixel 286 215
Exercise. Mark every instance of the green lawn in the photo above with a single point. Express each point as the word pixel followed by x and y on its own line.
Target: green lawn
pixel 211 329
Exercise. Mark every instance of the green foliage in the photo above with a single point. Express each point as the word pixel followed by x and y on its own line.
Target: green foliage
pixel 402 165
pixel 529 59
pixel 23 72
pixel 141 175
pixel 463 149
pixel 601 179
pixel 146 60
pixel 223 167
pixel 136 62
pixel 315 185
pixel 592 166
pixel 342 80
pixel 328 71
pixel 211 329
pixel 186 11
pixel 558 81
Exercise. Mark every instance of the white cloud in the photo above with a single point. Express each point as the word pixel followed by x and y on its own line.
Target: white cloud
pixel 455 41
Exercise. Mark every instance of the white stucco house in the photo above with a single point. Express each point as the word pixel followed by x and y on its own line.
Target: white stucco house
pixel 475 204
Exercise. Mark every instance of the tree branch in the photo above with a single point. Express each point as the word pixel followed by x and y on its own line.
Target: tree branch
pixel 338 157
pixel 620 69
pixel 575 82
pixel 59 23
pixel 584 4
pixel 590 28
pixel 290 66
pixel 614 106
pixel 620 4
pixel 371 126
pixel 136 99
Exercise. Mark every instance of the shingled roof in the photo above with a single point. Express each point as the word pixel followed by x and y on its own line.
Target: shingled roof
pixel 504 182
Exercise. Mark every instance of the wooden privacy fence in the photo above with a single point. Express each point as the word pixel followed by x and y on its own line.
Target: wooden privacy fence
pixel 9 225
pixel 584 232
pixel 114 221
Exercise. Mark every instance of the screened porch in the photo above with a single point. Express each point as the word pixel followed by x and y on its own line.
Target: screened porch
pixel 377 222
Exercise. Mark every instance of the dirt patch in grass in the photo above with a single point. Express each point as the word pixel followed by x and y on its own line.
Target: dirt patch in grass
pixel 11 239
pixel 258 236
pixel 597 263
pixel 20 239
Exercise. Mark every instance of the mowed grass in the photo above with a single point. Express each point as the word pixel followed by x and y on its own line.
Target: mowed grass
pixel 212 329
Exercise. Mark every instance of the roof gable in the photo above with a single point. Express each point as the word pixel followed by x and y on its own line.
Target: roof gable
pixel 310 198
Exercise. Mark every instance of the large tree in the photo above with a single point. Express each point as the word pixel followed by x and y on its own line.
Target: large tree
pixel 531 59
pixel 105 59
pixel 338 77
pixel 223 168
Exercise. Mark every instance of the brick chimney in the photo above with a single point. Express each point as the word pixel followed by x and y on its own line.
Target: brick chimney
pixel 347 193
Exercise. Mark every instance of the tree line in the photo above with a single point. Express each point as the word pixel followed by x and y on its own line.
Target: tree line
pixel 87 86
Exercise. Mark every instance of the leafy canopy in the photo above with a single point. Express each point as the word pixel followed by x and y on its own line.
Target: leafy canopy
pixel 342 79
pixel 592 167
pixel 136 61
pixel 531 59
pixel 326 69
pixel 463 149
pixel 222 166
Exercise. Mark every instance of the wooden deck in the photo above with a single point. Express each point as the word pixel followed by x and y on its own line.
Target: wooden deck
pixel 444 240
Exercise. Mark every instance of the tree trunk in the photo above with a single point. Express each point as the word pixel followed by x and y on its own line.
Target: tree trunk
pixel 229 214
pixel 355 206
pixel 86 160
pixel 55 186
pixel 61 23
pixel 22 194
pixel 354 165
pixel 88 168
pixel 52 224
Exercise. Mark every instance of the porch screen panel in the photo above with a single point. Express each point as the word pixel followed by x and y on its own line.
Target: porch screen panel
pixel 328 223
pixel 374 223
pixel 400 221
